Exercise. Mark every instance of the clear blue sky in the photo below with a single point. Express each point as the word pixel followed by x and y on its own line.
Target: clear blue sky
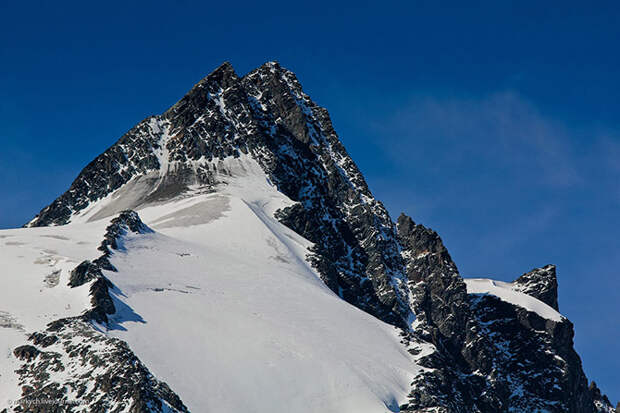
pixel 495 123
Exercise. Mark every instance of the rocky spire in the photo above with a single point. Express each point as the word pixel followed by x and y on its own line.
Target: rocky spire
pixel 437 289
pixel 186 110
pixel 540 283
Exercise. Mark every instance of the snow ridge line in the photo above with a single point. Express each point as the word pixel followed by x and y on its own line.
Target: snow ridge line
pixel 102 304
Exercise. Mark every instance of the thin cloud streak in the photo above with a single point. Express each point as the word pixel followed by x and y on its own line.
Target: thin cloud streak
pixel 502 129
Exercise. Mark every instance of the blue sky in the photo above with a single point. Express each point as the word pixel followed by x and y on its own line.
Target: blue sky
pixel 495 123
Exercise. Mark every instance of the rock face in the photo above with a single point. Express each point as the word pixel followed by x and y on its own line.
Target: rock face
pixel 481 354
pixel 438 292
pixel 74 366
pixel 491 355
pixel 527 362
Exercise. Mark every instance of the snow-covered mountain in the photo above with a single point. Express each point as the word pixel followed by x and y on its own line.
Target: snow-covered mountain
pixel 228 256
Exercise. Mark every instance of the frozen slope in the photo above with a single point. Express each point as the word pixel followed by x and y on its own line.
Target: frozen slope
pixel 248 324
pixel 220 303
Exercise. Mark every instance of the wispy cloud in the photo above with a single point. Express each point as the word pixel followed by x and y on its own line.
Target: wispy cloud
pixel 502 129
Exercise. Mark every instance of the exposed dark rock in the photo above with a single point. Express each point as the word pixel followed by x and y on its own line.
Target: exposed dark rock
pixel 125 222
pixel 26 352
pixel 43 340
pixel 102 372
pixel 83 273
pixel 102 304
pixel 438 291
pixel 600 400
pixel 541 283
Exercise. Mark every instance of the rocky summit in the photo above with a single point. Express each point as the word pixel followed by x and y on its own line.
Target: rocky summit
pixel 228 256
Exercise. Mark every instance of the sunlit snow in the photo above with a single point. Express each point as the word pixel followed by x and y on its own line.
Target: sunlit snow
pixel 219 302
pixel 507 292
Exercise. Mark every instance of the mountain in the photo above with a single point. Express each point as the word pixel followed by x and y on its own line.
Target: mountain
pixel 228 255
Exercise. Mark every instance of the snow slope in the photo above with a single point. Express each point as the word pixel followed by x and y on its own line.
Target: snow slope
pixel 219 303
pixel 508 292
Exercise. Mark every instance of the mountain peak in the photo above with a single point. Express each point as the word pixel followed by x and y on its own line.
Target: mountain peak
pixel 420 239
pixel 540 283
pixel 222 72
pixel 222 116
pixel 272 65
pixel 222 78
